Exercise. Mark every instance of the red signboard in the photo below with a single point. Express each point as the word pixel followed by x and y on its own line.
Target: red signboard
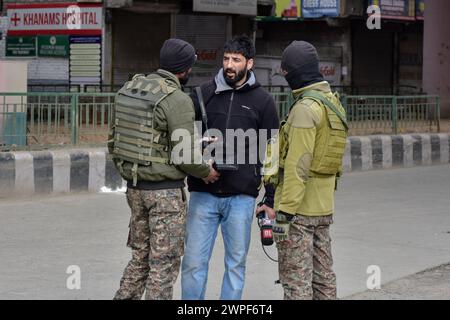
pixel 55 18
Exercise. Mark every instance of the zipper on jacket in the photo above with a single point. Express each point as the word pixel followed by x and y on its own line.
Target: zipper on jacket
pixel 226 127
pixel 229 111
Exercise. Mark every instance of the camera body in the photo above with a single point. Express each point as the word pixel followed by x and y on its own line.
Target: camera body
pixel 225 167
pixel 218 166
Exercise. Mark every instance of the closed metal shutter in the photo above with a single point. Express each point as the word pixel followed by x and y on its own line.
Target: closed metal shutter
pixel 137 41
pixel 208 35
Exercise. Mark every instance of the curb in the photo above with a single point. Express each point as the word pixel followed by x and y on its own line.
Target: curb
pixel 57 171
pixel 88 170
pixel 384 152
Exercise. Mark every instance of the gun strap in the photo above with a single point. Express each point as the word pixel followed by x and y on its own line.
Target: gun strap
pixel 198 90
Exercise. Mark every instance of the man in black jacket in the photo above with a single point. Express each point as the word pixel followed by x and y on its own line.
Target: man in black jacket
pixel 242 114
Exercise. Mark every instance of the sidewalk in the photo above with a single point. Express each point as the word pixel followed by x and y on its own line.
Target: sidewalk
pixel 431 284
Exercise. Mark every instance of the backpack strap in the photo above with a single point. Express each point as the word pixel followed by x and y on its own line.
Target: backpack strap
pixel 312 94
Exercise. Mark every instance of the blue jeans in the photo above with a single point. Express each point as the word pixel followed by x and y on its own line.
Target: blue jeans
pixel 206 212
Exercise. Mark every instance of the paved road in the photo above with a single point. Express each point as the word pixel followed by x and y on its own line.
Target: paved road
pixel 398 220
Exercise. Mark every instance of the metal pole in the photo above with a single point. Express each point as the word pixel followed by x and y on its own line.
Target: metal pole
pixel 394 114
pixel 74 118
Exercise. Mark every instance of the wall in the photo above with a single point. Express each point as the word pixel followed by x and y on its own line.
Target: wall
pixel 3 29
pixel 333 43
pixel 137 39
pixel 436 64
pixel 13 78
pixel 410 59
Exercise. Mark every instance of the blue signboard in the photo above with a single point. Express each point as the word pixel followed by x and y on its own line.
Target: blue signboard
pixel 85 39
pixel 320 8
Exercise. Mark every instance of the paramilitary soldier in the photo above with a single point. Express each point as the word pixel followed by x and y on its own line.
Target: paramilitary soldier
pixel 311 145
pixel 147 111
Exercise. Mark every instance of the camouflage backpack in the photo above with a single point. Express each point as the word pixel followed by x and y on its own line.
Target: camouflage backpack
pixel 135 138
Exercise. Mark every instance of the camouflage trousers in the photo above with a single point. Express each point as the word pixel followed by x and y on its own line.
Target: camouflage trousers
pixel 305 261
pixel 156 238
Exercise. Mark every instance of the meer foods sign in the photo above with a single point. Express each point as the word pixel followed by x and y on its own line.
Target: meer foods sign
pixel 56 18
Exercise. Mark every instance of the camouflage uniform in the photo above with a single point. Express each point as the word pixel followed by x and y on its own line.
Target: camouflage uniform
pixel 305 189
pixel 305 261
pixel 156 237
pixel 142 130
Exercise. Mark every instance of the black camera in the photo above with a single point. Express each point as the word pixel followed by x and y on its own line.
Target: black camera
pixel 218 166
pixel 225 167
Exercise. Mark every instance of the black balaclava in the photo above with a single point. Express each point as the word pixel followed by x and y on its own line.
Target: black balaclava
pixel 301 61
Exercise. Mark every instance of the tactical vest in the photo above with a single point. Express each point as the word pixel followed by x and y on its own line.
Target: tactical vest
pixel 329 150
pixel 135 138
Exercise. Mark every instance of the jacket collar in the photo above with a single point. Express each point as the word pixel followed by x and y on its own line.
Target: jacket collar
pixel 322 86
pixel 170 76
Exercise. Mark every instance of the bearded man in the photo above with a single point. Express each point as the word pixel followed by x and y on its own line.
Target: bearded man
pixel 234 101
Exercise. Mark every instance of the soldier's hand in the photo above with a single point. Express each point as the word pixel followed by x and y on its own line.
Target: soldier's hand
pixel 281 226
pixel 269 211
pixel 212 177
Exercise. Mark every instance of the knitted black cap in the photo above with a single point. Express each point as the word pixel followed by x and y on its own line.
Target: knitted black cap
pixel 176 56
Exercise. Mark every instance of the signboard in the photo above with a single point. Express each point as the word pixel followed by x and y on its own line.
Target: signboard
pixel 85 60
pixel 320 8
pixel 20 47
pixel 54 18
pixel 244 7
pixel 268 71
pixel 396 9
pixel 53 46
pixel 288 8
pixel 420 9
pixel 331 71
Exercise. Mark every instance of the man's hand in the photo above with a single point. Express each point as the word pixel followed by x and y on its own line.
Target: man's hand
pixel 269 211
pixel 212 177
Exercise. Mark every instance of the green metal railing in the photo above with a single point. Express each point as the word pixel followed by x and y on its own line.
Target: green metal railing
pixel 392 114
pixel 283 101
pixel 383 114
pixel 45 120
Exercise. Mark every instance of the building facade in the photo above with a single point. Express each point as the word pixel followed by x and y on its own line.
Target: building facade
pixel 355 58
pixel 116 38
